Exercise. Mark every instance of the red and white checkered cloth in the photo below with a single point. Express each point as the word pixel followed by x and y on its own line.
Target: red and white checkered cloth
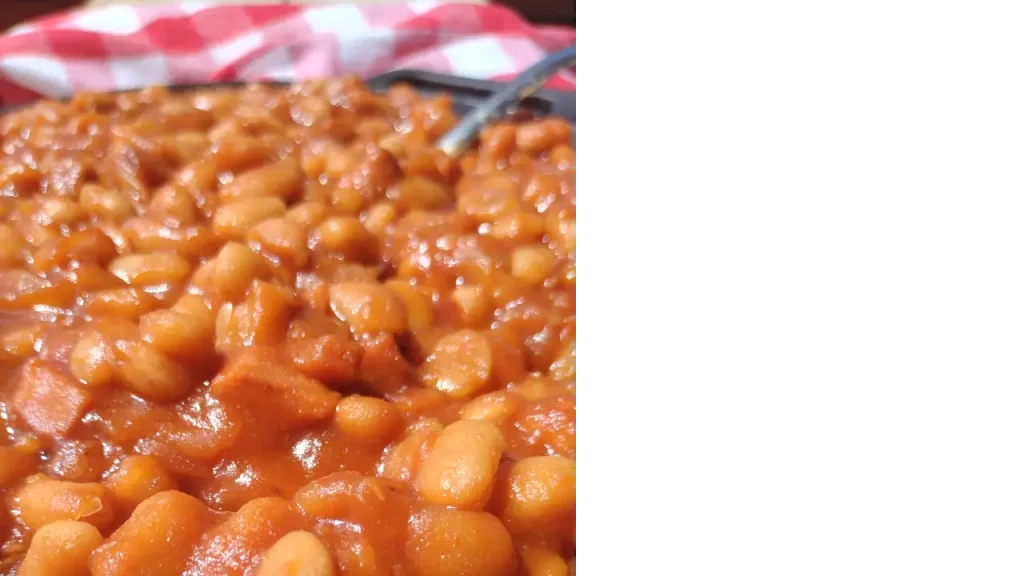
pixel 121 47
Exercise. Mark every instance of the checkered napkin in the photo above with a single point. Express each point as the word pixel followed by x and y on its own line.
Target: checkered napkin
pixel 121 47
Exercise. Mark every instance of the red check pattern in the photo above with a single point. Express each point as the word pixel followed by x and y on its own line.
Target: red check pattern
pixel 122 47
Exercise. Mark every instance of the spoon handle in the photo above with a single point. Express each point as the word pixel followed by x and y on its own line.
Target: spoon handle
pixel 462 135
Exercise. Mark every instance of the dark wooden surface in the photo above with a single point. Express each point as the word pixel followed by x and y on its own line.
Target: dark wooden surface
pixel 16 11
pixel 545 11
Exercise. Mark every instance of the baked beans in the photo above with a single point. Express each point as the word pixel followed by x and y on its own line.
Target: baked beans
pixel 271 330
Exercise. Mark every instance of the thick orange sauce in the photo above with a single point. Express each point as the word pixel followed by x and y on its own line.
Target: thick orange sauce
pixel 229 315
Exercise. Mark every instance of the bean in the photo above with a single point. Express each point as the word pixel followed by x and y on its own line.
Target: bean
pixel 460 364
pixel 43 500
pixel 461 468
pixel 297 554
pixel 443 542
pixel 368 308
pixel 61 548
pixel 540 492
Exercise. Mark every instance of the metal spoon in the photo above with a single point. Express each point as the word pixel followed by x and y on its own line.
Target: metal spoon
pixel 462 135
